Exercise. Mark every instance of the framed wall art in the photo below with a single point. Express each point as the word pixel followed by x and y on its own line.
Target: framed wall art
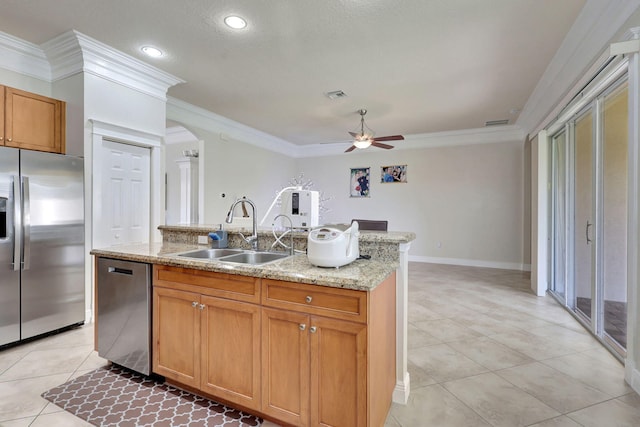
pixel 396 173
pixel 360 182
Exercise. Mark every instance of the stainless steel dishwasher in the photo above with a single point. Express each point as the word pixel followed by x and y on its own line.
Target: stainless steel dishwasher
pixel 124 313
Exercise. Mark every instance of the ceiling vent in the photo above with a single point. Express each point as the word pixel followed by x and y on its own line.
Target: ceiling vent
pixel 497 122
pixel 336 94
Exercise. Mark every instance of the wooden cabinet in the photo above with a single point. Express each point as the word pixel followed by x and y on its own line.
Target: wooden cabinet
pixel 31 121
pixel 176 335
pixel 285 366
pixel 300 354
pixel 319 369
pixel 204 341
pixel 231 351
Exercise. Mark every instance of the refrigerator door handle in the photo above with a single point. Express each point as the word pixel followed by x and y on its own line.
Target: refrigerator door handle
pixel 17 221
pixel 26 223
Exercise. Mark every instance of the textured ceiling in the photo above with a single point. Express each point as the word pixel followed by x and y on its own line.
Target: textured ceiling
pixel 418 66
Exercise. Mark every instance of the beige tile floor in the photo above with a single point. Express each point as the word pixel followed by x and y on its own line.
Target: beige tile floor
pixel 483 351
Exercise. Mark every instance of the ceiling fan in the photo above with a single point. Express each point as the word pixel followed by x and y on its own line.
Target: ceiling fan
pixel 364 140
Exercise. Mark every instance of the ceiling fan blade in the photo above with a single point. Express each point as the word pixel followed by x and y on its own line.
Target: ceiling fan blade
pixel 389 138
pixel 380 145
pixel 353 147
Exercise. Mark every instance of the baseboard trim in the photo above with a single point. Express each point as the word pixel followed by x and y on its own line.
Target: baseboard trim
pixel 402 390
pixel 635 380
pixel 471 263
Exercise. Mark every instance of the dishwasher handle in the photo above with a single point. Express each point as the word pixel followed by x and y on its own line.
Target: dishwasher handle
pixel 117 270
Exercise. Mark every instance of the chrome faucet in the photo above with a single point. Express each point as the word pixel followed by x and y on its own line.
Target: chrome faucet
pixel 253 239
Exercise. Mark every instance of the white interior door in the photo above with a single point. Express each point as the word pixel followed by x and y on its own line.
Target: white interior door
pixel 123 203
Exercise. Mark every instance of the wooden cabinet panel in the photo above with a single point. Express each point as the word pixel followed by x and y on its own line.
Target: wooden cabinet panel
pixel 285 366
pixel 33 122
pixel 2 91
pixel 231 351
pixel 338 373
pixel 338 303
pixel 176 335
pixel 240 288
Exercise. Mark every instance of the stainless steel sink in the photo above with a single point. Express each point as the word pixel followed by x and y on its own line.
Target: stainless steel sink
pixel 210 253
pixel 240 256
pixel 254 258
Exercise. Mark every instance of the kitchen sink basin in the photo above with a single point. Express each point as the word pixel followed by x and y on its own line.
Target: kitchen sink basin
pixel 254 258
pixel 210 253
pixel 240 256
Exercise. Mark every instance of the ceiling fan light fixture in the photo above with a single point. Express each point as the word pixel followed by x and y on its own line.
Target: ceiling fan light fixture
pixel 362 143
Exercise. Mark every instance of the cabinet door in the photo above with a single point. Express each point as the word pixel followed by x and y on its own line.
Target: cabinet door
pixel 33 122
pixel 338 373
pixel 285 366
pixel 176 335
pixel 231 350
pixel 2 90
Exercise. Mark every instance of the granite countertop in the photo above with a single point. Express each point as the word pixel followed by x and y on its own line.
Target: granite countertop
pixel 365 235
pixel 361 274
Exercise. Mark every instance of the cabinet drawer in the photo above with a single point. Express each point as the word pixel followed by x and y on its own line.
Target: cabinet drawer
pixel 344 304
pixel 240 288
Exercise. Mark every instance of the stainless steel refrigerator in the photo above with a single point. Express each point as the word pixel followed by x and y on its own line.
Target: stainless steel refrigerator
pixel 41 243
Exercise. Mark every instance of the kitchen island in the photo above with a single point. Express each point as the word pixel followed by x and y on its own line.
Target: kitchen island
pixel 306 345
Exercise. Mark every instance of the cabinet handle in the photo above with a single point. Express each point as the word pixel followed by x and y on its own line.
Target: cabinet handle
pixel 1 138
pixel 302 326
pixel 312 329
pixel 9 139
pixel 586 231
pixel 202 306
pixel 194 304
pixel 308 299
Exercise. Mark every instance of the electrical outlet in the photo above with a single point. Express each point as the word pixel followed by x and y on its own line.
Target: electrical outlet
pixel 203 240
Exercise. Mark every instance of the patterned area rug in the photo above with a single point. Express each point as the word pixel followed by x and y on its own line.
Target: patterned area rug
pixel 114 396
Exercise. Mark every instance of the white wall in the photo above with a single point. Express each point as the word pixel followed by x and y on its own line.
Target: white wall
pixel 236 169
pixel 23 82
pixel 468 198
pixel 173 152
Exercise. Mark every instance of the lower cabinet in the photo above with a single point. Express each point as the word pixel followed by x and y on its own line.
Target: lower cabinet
pixel 176 335
pixel 299 354
pixel 314 369
pixel 230 367
pixel 208 343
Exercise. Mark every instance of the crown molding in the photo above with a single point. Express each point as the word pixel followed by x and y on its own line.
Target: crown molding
pixel 486 135
pixel 73 52
pixel 582 48
pixel 23 57
pixel 192 116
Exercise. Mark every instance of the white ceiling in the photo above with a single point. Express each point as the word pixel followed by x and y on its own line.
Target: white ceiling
pixel 418 66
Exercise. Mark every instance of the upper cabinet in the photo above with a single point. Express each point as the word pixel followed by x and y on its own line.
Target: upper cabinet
pixel 31 121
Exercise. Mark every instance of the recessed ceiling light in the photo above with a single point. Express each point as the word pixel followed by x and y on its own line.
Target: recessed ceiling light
pixel 235 22
pixel 152 51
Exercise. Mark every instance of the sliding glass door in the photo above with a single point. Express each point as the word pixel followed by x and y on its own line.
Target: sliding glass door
pixel 614 216
pixel 559 214
pixel 589 215
pixel 583 214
